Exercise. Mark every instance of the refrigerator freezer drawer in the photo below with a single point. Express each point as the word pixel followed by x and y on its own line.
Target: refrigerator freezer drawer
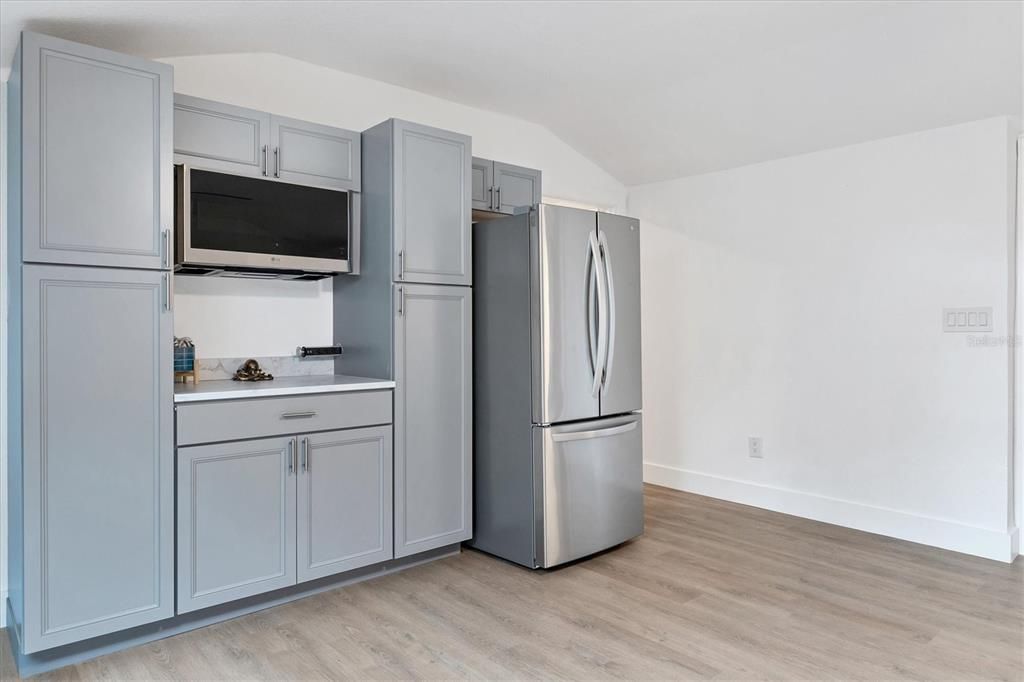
pixel 591 487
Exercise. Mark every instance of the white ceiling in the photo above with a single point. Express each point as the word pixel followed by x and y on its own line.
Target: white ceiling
pixel 648 90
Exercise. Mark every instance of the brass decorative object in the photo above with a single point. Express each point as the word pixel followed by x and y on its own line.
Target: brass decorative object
pixel 251 371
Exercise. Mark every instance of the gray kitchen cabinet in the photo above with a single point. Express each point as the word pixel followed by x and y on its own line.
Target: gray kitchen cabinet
pixel 416 186
pixel 317 155
pixel 236 520
pixel 433 417
pixel 344 501
pixel 97 186
pixel 515 187
pixel 229 139
pixel 221 137
pixel 483 184
pixel 502 188
pixel 95 495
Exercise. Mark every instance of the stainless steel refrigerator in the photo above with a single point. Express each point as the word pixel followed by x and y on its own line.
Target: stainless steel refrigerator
pixel 558 463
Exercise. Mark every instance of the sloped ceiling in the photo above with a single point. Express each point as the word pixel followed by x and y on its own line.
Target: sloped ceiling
pixel 648 90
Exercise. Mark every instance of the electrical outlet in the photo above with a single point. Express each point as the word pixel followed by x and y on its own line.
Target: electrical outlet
pixel 755 447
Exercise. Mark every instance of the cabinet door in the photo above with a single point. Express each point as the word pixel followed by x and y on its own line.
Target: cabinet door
pixel 313 154
pixel 482 184
pixel 98 452
pixel 344 501
pixel 96 167
pixel 432 214
pixel 515 187
pixel 221 137
pixel 433 417
pixel 236 520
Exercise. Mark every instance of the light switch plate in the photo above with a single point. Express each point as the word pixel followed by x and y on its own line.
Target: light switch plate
pixel 967 320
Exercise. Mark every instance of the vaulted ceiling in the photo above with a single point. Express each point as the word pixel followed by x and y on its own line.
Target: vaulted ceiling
pixel 648 90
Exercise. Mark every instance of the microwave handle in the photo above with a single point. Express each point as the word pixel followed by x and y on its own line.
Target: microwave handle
pixel 354 231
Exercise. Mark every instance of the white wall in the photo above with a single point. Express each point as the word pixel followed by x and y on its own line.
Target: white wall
pixel 228 318
pixel 800 300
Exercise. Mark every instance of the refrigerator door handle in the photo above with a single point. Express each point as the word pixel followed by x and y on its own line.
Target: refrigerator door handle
pixel 609 318
pixel 594 433
pixel 591 306
pixel 602 314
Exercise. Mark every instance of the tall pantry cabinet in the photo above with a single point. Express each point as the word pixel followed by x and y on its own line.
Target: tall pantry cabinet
pixel 409 316
pixel 91 422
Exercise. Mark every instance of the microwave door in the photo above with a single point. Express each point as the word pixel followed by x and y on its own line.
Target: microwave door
pixel 242 222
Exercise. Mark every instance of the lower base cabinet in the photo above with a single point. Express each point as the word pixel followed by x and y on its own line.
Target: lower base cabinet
pixel 344 501
pixel 262 514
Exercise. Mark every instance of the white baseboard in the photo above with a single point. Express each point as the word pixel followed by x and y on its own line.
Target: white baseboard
pixel 926 530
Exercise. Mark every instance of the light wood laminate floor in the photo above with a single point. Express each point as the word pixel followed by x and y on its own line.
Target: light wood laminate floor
pixel 712 590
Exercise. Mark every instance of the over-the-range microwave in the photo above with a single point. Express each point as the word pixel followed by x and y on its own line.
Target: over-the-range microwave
pixel 233 225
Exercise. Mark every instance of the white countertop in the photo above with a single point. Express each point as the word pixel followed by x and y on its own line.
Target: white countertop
pixel 233 390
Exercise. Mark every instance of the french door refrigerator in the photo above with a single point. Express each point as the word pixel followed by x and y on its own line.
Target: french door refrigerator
pixel 558 468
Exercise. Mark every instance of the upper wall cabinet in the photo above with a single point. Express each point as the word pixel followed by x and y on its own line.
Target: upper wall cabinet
pixel 502 188
pixel 418 190
pixel 483 184
pixel 221 137
pixel 95 128
pixel 230 139
pixel 313 154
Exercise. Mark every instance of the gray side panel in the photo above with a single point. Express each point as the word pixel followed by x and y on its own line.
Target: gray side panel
pixel 236 520
pixel 363 318
pixel 315 155
pixel 97 134
pixel 433 418
pixel 99 478
pixel 344 501
pixel 503 516
pixel 621 248
pixel 220 137
pixel 15 535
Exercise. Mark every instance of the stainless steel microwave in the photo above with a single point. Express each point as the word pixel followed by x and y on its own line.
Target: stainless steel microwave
pixel 240 226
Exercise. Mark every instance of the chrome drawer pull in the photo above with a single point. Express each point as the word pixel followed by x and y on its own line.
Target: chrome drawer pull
pixel 298 415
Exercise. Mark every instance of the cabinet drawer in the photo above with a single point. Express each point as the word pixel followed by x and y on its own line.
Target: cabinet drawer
pixel 221 420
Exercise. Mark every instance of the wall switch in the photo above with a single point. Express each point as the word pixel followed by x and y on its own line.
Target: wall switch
pixel 755 447
pixel 967 320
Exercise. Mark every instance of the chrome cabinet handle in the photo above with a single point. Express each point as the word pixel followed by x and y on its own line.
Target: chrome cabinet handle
pixel 291 455
pixel 298 415
pixel 277 162
pixel 497 202
pixel 401 301
pixel 165 252
pixel 490 197
pixel 266 166
pixel 166 284
pixel 305 454
pixel 401 264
